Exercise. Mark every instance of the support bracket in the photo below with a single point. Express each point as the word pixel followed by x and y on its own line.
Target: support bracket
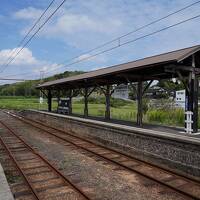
pixel 44 93
pixel 147 86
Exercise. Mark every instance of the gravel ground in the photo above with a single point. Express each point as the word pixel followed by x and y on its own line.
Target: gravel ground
pixel 100 180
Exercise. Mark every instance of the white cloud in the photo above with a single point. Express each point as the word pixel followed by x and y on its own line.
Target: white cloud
pixel 89 57
pixel 24 62
pixel 83 57
pixel 25 57
pixel 76 29
pixel 69 23
pixel 82 25
pixel 29 13
pixel 85 24
pixel 49 68
pixel 72 23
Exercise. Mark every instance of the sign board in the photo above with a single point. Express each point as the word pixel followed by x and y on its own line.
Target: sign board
pixel 41 100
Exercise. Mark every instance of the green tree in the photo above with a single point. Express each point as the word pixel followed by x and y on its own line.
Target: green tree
pixel 170 87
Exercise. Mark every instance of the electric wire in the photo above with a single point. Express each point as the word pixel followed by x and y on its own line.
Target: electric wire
pixel 128 42
pixel 60 65
pixel 28 33
pixel 33 36
pixel 131 32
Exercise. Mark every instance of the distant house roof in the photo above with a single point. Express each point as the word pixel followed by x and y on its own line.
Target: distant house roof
pixel 145 69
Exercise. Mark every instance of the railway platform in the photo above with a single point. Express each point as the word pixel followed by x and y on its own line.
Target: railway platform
pixel 5 193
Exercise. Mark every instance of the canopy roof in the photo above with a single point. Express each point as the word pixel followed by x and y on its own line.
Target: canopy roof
pixel 150 68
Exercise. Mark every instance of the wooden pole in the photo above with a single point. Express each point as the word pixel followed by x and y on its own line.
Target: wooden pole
pixel 70 101
pixel 195 104
pixel 192 97
pixel 58 97
pixel 194 87
pixel 139 103
pixel 86 102
pixel 49 100
pixel 107 95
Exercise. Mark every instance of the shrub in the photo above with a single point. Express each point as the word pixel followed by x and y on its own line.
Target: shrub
pixel 168 117
pixel 145 106
pixel 116 103
pixel 101 100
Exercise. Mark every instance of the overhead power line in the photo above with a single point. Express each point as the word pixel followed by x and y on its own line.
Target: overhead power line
pixel 33 35
pixel 12 79
pixel 28 33
pixel 117 39
pixel 128 42
pixel 25 73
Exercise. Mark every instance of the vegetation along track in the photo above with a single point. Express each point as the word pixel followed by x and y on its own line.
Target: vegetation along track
pixel 183 185
pixel 42 179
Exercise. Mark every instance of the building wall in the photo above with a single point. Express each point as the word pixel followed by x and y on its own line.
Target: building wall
pixel 121 92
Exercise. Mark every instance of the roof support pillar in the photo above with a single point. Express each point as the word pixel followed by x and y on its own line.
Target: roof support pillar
pixel 43 92
pixel 58 95
pixel 192 98
pixel 49 100
pixel 70 101
pixel 107 95
pixel 87 92
pixel 86 102
pixel 139 103
pixel 140 92
pixel 195 108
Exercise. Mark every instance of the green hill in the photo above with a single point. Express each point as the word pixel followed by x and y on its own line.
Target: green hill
pixel 27 88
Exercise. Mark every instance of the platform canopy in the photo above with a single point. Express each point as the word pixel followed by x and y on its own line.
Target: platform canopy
pixel 157 67
pixel 183 64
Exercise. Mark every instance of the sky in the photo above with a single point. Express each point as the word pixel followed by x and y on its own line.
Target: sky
pixel 83 25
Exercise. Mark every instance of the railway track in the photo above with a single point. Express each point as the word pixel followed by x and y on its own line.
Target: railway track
pixel 183 185
pixel 41 180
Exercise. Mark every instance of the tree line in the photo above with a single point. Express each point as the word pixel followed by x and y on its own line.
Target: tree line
pixel 27 88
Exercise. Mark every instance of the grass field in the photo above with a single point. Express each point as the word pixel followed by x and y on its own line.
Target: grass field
pixel 21 103
pixel 125 112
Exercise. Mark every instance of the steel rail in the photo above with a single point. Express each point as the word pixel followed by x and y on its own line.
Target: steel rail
pixel 33 191
pixel 23 119
pixel 30 121
pixel 47 162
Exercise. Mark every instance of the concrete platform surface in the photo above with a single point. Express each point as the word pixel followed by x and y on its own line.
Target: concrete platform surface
pixel 5 193
pixel 152 130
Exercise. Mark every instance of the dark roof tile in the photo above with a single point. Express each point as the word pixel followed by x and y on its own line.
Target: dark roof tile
pixel 174 56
